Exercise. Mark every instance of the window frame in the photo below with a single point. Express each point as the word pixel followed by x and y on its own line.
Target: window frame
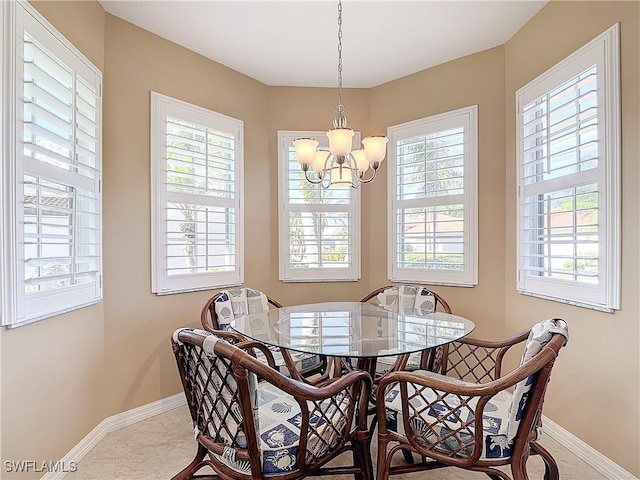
pixel 161 282
pixel 286 273
pixel 466 117
pixel 603 52
pixel 17 306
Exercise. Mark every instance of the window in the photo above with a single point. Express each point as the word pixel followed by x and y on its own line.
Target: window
pixel 51 205
pixel 569 179
pixel 196 187
pixel 319 229
pixel 433 199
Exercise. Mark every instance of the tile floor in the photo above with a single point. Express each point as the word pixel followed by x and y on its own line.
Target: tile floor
pixel 159 447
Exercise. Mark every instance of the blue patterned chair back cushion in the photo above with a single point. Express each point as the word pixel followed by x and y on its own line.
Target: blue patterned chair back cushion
pixel 238 301
pixel 541 333
pixel 244 301
pixel 408 298
pixel 277 416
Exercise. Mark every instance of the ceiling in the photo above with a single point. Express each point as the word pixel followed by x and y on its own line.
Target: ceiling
pixel 294 43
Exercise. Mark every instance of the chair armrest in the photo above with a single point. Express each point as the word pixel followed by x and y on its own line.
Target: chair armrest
pixel 507 342
pixel 249 345
pixel 455 386
pixel 228 335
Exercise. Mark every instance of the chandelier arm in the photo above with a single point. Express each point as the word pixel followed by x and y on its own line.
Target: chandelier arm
pixel 355 176
pixel 367 180
pixel 326 181
pixel 327 163
pixel 313 180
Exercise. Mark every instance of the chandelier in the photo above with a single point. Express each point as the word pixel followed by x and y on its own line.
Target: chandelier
pixel 340 166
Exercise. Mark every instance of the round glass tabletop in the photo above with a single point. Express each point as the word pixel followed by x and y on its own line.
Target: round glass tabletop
pixel 352 329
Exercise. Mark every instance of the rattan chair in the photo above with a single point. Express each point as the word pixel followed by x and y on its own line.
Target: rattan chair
pixel 222 308
pixel 410 299
pixel 276 428
pixel 465 415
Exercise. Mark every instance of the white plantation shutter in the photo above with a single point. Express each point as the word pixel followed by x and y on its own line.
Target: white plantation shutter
pixel 432 199
pixel 568 179
pixel 319 229
pixel 55 173
pixel 196 180
pixel 333 330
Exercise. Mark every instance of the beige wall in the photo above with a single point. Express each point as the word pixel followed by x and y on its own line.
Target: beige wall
pixel 594 387
pixel 115 356
pixel 53 371
pixel 141 367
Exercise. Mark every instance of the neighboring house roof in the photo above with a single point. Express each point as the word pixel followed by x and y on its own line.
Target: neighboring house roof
pixel 446 223
pixel 48 201
pixel 566 219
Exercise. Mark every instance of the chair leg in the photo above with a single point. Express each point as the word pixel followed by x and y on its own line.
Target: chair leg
pixel 357 462
pixel 519 468
pixel 383 462
pixel 195 465
pixel 551 471
pixel 497 476
pixel 408 456
pixel 372 427
pixel 362 457
pixel 493 473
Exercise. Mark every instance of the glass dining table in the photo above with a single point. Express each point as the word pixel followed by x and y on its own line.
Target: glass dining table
pixel 361 332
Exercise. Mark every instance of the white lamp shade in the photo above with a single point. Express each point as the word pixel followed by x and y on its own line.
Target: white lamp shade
pixel 375 148
pixel 319 160
pixel 340 141
pixel 305 150
pixel 341 177
pixel 362 164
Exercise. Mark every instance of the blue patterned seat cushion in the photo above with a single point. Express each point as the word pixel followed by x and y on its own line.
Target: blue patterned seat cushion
pixel 501 416
pixel 495 419
pixel 279 429
pixel 279 433
pixel 276 415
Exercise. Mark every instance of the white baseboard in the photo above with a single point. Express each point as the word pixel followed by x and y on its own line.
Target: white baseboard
pixel 585 452
pixel 580 449
pixel 110 424
pixel 143 412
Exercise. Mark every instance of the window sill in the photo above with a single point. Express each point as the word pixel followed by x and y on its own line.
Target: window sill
pixel 52 314
pixel 574 303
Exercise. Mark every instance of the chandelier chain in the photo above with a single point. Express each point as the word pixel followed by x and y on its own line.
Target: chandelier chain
pixel 340 107
pixel 340 165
